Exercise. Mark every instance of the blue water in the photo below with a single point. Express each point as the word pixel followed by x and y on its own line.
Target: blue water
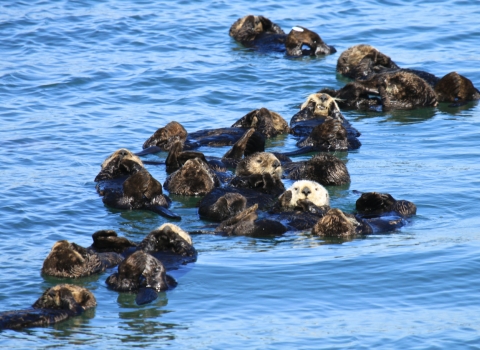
pixel 80 79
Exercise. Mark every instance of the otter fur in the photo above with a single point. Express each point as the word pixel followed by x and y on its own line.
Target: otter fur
pixel 120 163
pixel 194 178
pixel 325 169
pixel 246 223
pixel 73 261
pixel 454 87
pixel 222 208
pixel 267 122
pixel 335 224
pixel 162 139
pixel 260 163
pixel 169 244
pixel 56 304
pixel 373 204
pixel 143 274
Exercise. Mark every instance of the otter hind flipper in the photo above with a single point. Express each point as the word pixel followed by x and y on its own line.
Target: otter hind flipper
pixel 145 296
pixel 164 212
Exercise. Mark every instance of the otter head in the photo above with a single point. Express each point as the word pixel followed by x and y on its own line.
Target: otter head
pixel 120 163
pixel 164 137
pixel 353 61
pixel 327 170
pixel 334 224
pixel 264 121
pixel 64 258
pixel 301 41
pixel 309 190
pixel 248 28
pixel 260 163
pixel 374 203
pixel 321 104
pixel 168 238
pixel 66 297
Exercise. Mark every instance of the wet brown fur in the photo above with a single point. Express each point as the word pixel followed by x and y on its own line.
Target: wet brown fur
pixel 164 137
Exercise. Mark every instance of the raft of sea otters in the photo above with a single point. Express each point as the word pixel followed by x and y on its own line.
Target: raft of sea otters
pixel 252 200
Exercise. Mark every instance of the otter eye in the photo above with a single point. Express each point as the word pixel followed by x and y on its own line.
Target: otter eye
pixel 296 188
pixel 259 160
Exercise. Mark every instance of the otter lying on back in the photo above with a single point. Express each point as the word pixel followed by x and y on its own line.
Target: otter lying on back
pixel 125 184
pixel 143 274
pixel 261 33
pixel 55 305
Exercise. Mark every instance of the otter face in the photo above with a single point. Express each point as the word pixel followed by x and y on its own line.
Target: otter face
pixel 121 155
pixel 323 104
pixel 309 190
pixel 299 37
pixel 260 163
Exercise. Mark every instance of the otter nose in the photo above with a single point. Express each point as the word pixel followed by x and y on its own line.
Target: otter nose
pixel 323 98
pixel 306 191
pixel 276 164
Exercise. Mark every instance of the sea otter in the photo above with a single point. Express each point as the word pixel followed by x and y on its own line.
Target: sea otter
pixel 301 205
pixel 162 139
pixel 260 33
pixel 246 223
pixel 325 169
pixel 109 241
pixel 221 208
pixel 169 244
pixel 361 60
pixel 454 87
pixel 143 274
pixel 398 89
pixel 56 304
pixel 194 178
pixel 373 204
pixel 72 261
pixel 267 122
pixel 261 171
pixel 335 223
pixel 125 184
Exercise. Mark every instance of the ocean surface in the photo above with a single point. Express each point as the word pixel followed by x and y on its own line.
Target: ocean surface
pixel 80 79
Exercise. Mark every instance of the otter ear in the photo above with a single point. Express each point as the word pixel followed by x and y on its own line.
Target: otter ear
pixel 267 24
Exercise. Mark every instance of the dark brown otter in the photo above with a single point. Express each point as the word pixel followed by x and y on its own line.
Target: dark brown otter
pixel 264 121
pixel 392 90
pixel 325 169
pixel 222 208
pixel 336 224
pixel 362 60
pixel 109 241
pixel 454 87
pixel 246 223
pixel 120 163
pixel 260 33
pixel 143 274
pixel 162 139
pixel 194 178
pixel 72 261
pixel 55 305
pixel 372 204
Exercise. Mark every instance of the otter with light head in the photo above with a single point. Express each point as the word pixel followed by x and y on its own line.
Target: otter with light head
pixel 55 305
pixel 171 245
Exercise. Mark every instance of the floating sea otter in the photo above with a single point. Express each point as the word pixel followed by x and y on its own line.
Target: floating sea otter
pixel 143 274
pixel 260 33
pixel 125 184
pixel 364 63
pixel 55 305
pixel 265 122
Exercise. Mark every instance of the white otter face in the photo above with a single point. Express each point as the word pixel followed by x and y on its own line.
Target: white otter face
pixel 324 104
pixel 309 190
pixel 260 163
pixel 178 231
